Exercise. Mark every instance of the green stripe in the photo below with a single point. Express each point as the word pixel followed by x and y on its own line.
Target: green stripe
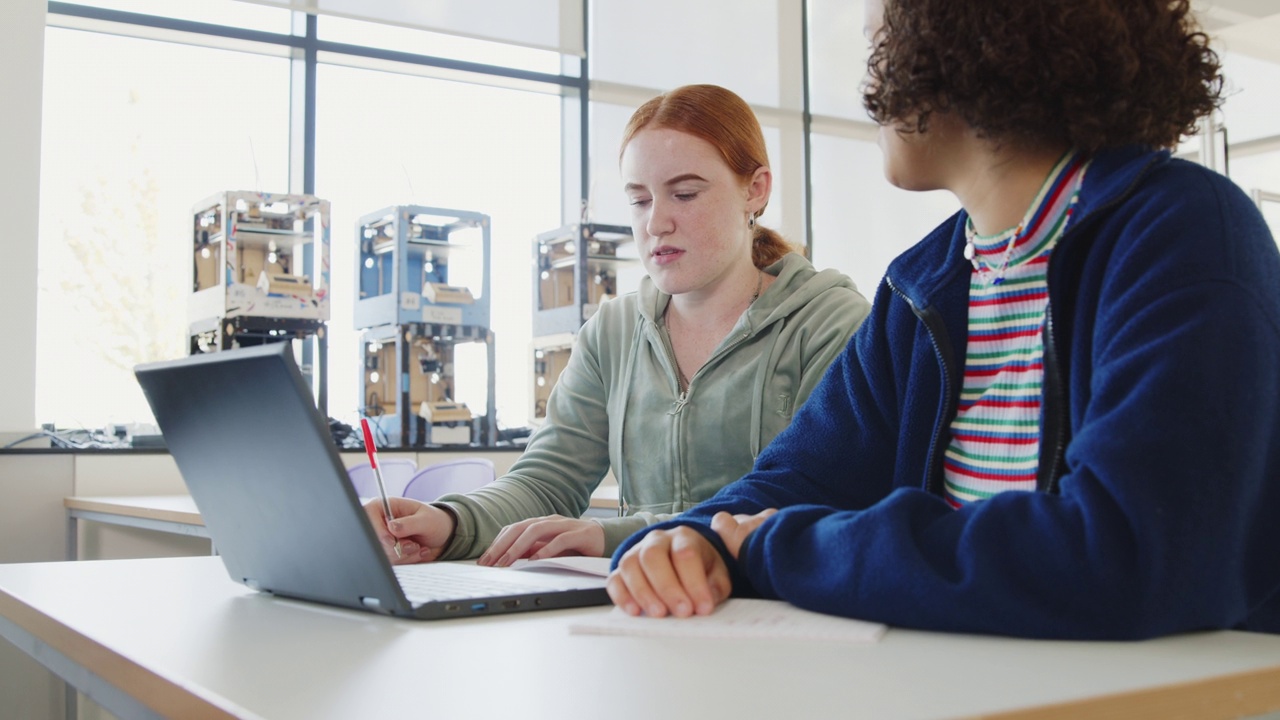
pixel 993 458
pixel 1017 386
pixel 961 422
pixel 979 390
pixel 982 495
pixel 1005 318
pixel 1010 353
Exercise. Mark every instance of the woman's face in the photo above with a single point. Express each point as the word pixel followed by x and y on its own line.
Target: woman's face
pixel 688 210
pixel 922 161
pixel 912 160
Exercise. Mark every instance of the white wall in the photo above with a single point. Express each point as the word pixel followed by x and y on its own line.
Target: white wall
pixel 21 63
pixel 860 221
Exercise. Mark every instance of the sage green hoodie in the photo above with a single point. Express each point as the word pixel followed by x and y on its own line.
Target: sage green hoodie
pixel 618 404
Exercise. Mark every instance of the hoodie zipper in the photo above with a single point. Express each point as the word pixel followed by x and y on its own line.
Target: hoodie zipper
pixel 942 348
pixel 1053 436
pixel 683 398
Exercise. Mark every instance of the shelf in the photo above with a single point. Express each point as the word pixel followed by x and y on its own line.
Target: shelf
pixel 258 236
pixel 242 227
pixel 442 248
pixel 594 260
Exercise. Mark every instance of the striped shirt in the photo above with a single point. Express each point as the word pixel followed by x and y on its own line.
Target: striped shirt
pixel 995 436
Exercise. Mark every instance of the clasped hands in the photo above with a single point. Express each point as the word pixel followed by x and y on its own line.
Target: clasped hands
pixel 678 571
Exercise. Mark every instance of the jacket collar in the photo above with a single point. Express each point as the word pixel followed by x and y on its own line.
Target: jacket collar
pixel 928 266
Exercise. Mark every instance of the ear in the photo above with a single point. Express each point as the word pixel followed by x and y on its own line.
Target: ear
pixel 758 189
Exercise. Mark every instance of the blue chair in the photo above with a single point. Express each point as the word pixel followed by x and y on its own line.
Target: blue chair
pixel 453 476
pixel 396 473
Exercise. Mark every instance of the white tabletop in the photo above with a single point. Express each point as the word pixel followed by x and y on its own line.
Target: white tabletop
pixel 170 508
pixel 178 635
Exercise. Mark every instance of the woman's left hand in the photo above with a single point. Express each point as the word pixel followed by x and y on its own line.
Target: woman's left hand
pixel 544 537
pixel 734 529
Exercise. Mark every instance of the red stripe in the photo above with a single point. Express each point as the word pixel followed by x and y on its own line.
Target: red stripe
pixel 1006 403
pixel 1035 367
pixel 995 440
pixel 1029 477
pixel 1050 201
pixel 1007 335
pixel 1009 300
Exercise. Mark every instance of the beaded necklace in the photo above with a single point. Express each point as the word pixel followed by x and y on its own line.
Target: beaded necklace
pixel 1028 225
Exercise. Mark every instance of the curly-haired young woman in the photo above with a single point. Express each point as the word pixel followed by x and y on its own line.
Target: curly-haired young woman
pixel 1062 418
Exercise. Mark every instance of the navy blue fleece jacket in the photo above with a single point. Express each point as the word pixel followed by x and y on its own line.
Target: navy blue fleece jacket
pixel 1160 450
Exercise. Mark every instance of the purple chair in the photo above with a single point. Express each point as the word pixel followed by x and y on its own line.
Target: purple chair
pixel 453 476
pixel 396 473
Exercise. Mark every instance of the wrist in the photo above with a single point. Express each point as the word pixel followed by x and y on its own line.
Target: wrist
pixel 445 516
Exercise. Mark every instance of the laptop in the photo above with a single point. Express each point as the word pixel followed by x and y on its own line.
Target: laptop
pixel 261 465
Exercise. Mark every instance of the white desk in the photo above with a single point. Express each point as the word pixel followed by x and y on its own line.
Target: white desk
pixel 176 638
pixel 176 514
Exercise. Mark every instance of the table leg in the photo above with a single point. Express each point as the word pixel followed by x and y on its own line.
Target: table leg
pixel 73 537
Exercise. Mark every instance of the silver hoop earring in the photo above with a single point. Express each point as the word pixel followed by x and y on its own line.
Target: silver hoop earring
pixel 751 220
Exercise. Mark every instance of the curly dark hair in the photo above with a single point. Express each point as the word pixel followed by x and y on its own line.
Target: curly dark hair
pixel 1091 73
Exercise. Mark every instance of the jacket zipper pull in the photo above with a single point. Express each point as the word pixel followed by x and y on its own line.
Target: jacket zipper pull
pixel 680 403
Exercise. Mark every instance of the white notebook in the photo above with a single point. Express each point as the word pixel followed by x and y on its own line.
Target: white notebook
pixel 597 566
pixel 737 618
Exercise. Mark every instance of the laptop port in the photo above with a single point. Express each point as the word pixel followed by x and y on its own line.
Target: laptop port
pixel 510 604
pixel 479 607
pixel 451 607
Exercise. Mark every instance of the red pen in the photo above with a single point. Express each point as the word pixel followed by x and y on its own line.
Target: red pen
pixel 372 451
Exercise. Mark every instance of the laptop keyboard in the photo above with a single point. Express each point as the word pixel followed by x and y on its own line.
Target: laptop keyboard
pixel 422 584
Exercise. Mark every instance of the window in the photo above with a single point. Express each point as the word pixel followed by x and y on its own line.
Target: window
pixel 183 113
pixel 422 42
pixel 172 125
pixel 385 139
pixel 218 12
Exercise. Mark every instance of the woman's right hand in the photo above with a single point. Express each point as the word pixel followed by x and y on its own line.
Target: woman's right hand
pixel 670 572
pixel 421 529
pixel 544 537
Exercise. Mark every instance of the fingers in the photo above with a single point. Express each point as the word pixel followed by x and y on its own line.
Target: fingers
pixel 616 586
pixel 420 530
pixel 587 538
pixel 544 537
pixel 503 542
pixel 725 524
pixel 694 561
pixel 377 519
pixel 728 527
pixel 734 529
pixel 627 585
pixel 748 524
pixel 670 571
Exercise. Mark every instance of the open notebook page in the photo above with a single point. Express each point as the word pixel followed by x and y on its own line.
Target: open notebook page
pixel 598 566
pixel 737 618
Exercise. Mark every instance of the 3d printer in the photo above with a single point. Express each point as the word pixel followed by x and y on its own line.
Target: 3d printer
pixel 423 289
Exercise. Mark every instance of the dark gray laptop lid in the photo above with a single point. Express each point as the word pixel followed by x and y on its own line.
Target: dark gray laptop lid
pixel 260 463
